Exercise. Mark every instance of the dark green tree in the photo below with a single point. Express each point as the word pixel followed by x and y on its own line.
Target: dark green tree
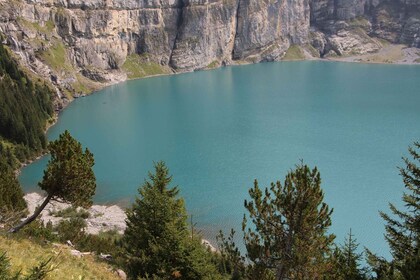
pixel 25 107
pixel 232 262
pixel 348 260
pixel 11 194
pixel 403 229
pixel 288 238
pixel 68 177
pixel 157 241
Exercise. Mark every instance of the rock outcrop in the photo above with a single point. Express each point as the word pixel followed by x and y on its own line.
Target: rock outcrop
pixel 82 45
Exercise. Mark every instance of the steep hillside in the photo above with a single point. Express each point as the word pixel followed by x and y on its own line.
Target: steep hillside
pixel 24 254
pixel 25 108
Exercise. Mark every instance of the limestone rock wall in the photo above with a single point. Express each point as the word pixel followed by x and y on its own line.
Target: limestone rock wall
pixel 266 29
pixel 98 36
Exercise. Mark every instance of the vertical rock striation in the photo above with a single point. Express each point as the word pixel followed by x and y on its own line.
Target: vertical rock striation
pixel 86 43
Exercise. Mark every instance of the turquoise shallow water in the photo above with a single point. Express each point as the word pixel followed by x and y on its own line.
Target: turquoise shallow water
pixel 219 130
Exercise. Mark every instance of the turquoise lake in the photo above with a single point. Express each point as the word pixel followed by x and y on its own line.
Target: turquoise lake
pixel 219 130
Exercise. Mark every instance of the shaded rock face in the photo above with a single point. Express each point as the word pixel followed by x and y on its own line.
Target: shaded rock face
pixel 266 29
pixel 185 35
pixel 398 21
pixel 206 33
pixel 323 10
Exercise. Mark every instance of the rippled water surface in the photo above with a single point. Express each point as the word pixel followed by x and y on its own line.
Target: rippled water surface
pixel 219 130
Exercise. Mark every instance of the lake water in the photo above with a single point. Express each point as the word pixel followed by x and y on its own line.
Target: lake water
pixel 219 130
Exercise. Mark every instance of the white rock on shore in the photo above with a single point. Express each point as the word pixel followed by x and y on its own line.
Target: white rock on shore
pixel 101 218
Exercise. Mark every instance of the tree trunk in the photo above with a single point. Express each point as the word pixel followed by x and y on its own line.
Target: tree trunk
pixel 33 216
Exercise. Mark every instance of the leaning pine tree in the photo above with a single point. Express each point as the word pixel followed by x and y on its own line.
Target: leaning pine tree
pixel 68 177
pixel 288 238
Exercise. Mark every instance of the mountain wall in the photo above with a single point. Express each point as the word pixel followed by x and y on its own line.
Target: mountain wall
pixel 80 45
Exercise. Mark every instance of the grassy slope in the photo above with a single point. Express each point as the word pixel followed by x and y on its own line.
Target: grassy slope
pixel 25 254
pixel 294 53
pixel 139 66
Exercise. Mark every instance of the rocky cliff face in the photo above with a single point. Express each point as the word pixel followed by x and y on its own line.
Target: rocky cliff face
pixel 80 45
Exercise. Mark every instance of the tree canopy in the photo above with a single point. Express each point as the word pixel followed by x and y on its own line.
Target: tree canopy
pixel 403 227
pixel 157 241
pixel 68 177
pixel 288 236
pixel 25 107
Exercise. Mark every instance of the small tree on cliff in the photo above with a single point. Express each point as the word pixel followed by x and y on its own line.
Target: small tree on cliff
pixel 68 177
pixel 288 239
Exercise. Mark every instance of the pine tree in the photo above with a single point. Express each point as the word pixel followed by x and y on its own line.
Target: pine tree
pixel 156 228
pixel 288 239
pixel 68 177
pixel 25 107
pixel 403 230
pixel 11 194
pixel 348 260
pixel 12 204
pixel 232 262
pixel 156 241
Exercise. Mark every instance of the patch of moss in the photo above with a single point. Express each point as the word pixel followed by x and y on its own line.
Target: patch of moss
pixel 417 60
pixel 139 66
pixel 83 85
pixel 360 22
pixel 213 64
pixel 314 52
pixel 56 57
pixel 294 53
pixel 45 27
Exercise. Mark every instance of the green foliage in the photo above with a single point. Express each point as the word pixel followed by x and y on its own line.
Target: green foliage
pixel 294 53
pixel 232 262
pixel 108 242
pixel 72 229
pixel 69 175
pixel 24 109
pixel 37 231
pixel 157 242
pixel 138 66
pixel 38 272
pixel 71 212
pixel 348 261
pixel 11 194
pixel 288 238
pixel 403 230
pixel 56 56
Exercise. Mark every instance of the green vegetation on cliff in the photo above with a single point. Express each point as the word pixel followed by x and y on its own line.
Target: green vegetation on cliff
pixel 25 107
pixel 139 66
pixel 294 53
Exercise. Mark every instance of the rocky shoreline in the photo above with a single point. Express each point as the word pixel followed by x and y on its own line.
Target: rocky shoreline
pixel 101 217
